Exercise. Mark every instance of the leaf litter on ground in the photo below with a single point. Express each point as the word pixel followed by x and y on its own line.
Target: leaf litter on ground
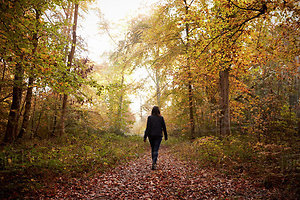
pixel 173 179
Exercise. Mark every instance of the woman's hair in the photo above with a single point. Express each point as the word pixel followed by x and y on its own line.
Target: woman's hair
pixel 155 111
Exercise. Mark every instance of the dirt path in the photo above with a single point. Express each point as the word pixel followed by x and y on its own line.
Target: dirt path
pixel 173 179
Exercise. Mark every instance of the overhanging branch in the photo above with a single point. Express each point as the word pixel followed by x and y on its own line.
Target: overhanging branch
pixel 261 12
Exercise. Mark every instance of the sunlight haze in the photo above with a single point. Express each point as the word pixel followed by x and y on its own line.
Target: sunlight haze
pixel 117 13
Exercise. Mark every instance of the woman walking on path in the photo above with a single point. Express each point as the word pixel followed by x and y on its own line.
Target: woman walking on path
pixel 155 126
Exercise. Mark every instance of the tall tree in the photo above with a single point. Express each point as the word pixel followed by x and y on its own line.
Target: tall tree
pixel 188 68
pixel 61 125
pixel 14 41
pixel 28 98
pixel 228 26
pixel 12 124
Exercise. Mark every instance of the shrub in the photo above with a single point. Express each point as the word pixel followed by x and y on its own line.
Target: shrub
pixel 77 155
pixel 212 151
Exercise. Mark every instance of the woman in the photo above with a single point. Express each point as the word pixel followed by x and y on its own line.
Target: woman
pixel 155 126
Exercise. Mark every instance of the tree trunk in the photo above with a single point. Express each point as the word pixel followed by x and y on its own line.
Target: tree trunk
pixel 52 134
pixel 141 108
pixel 12 124
pixel 190 87
pixel 158 92
pixel 26 116
pixel 28 97
pixel 298 93
pixel 67 30
pixel 3 74
pixel 224 102
pixel 298 116
pixel 38 122
pixel 191 108
pixel 32 118
pixel 61 126
pixel 119 122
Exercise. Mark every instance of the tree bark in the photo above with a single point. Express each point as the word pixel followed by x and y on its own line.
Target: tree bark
pixel 158 91
pixel 32 118
pixel 298 93
pixel 26 116
pixel 38 122
pixel 190 87
pixel 28 98
pixel 61 126
pixel 12 123
pixel 191 108
pixel 119 122
pixel 224 102
pixel 52 134
pixel 3 74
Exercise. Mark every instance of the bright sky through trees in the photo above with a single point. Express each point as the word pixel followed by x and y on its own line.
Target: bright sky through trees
pixel 79 77
pixel 117 13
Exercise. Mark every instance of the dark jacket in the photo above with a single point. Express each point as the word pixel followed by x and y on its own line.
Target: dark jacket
pixel 155 126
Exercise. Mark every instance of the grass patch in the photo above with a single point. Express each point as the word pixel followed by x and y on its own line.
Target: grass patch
pixel 27 166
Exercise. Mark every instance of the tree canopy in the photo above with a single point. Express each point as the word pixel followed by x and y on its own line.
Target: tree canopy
pixel 225 74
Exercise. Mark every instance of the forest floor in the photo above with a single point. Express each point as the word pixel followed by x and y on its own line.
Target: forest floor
pixel 173 179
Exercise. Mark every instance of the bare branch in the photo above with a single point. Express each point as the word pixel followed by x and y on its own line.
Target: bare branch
pixel 252 9
pixel 191 3
pixel 9 95
pixel 261 12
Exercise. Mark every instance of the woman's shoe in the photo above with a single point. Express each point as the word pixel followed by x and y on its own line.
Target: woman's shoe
pixel 153 166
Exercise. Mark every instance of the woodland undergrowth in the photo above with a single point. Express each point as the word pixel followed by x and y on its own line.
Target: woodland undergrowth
pixel 269 165
pixel 31 165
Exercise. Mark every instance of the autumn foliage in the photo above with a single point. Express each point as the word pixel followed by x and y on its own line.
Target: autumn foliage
pixel 224 73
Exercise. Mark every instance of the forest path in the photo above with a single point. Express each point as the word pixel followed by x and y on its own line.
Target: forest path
pixel 173 179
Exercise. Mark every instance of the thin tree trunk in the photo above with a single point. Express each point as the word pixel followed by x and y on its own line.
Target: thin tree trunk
pixel 298 116
pixel 158 91
pixel 22 108
pixel 54 120
pixel 298 92
pixel 119 123
pixel 191 108
pixel 28 98
pixel 297 88
pixel 217 129
pixel 3 74
pixel 67 30
pixel 26 116
pixel 141 109
pixel 32 118
pixel 224 103
pixel 61 127
pixel 190 87
pixel 38 124
pixel 12 124
pixel 70 62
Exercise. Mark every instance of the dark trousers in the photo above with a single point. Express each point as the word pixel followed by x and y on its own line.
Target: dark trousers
pixel 155 143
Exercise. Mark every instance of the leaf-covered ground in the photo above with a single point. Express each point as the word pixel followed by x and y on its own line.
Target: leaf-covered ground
pixel 174 179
